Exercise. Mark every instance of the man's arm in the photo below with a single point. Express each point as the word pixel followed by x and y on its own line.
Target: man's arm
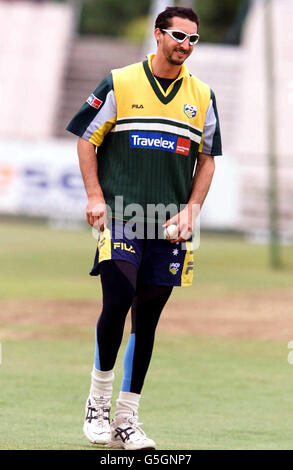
pixel 96 207
pixel 203 176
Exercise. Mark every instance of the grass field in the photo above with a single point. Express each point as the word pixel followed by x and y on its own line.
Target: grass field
pixel 204 390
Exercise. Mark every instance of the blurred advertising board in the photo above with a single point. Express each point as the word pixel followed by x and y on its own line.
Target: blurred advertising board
pixel 41 179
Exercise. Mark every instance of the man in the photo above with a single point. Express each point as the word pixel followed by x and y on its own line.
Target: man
pixel 141 134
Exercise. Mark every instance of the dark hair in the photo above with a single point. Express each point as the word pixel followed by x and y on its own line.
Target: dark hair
pixel 163 19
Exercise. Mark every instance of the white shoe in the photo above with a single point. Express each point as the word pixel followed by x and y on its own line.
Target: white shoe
pixel 127 434
pixel 96 426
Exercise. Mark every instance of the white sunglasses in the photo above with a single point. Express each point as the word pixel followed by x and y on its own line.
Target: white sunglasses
pixel 180 36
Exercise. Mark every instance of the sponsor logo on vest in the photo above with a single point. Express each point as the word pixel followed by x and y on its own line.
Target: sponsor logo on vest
pixel 174 268
pixel 94 101
pixel 137 106
pixel 158 141
pixel 123 247
pixel 190 110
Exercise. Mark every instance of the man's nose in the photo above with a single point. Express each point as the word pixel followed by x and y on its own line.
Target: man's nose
pixel 185 44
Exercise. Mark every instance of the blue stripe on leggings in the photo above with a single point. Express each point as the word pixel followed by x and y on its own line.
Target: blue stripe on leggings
pixel 97 354
pixel 128 364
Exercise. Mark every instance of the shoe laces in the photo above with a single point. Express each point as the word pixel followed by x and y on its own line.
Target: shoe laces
pixel 133 421
pixel 101 406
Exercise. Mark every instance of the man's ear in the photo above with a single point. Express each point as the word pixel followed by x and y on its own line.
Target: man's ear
pixel 158 34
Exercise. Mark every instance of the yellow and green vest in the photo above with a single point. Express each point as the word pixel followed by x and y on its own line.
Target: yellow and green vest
pixel 148 140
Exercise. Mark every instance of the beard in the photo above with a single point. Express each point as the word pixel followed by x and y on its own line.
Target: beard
pixel 177 60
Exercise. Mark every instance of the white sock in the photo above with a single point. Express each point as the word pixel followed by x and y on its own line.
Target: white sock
pixel 102 382
pixel 126 405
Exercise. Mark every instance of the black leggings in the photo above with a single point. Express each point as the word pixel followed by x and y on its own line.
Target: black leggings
pixel 147 302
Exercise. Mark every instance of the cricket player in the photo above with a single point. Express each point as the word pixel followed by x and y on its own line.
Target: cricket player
pixel 148 134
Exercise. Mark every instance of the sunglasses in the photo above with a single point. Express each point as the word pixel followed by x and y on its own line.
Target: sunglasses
pixel 180 36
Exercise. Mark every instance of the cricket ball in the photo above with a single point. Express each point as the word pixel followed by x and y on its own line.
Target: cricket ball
pixel 168 231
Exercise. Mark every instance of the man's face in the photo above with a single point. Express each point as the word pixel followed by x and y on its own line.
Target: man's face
pixel 176 53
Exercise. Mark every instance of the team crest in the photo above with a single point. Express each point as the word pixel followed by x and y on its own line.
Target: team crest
pixel 174 268
pixel 190 110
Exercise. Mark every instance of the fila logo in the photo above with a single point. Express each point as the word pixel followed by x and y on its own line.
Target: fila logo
pixel 123 247
pixel 137 106
pixel 189 267
pixel 157 141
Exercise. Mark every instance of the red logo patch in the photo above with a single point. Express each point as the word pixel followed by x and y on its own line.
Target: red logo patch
pixel 94 101
pixel 183 146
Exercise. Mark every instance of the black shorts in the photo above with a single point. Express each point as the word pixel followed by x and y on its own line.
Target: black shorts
pixel 158 261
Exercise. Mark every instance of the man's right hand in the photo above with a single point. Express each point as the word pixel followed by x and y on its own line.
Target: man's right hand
pixel 96 213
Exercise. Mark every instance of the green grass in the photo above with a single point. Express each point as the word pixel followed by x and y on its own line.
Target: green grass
pixel 38 262
pixel 201 393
